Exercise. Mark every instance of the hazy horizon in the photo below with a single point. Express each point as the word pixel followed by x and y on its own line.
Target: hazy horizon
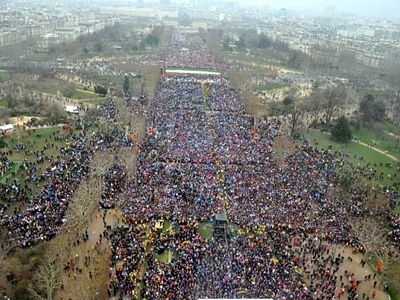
pixel 375 8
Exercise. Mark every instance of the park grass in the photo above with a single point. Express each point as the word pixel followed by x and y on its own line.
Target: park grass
pixel 167 256
pixel 115 79
pixel 82 94
pixel 4 75
pixel 206 230
pixel 167 226
pixel 390 275
pixel 379 93
pixel 393 279
pixel 269 86
pixel 390 126
pixel 95 101
pixel 262 58
pixel 54 85
pixel 384 142
pixel 34 140
pixel 233 230
pixel 3 103
pixel 383 163
pixel 396 210
pixel 9 175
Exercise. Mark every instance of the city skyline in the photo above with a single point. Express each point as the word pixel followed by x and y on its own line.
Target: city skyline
pixel 374 8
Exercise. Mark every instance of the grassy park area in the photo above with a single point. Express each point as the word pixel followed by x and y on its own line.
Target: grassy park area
pixel 33 140
pixel 3 103
pixel 383 141
pixel 269 86
pixel 67 89
pixel 206 230
pixel 356 151
pixel 95 101
pixel 167 256
pixel 82 94
pixel 4 75
pixel 114 79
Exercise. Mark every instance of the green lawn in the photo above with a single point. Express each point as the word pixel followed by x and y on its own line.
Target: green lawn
pixel 9 175
pixel 379 93
pixel 206 230
pixel 82 94
pixel 34 140
pixel 390 127
pixel 260 59
pixel 115 79
pixel 390 275
pixel 166 257
pixel 4 75
pixel 95 101
pixel 269 86
pixel 3 103
pixel 384 142
pixel 355 151
pixel 393 279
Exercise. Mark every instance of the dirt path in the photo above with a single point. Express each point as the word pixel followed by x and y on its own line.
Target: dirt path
pixel 88 279
pixel 354 266
pixel 350 269
pixel 378 150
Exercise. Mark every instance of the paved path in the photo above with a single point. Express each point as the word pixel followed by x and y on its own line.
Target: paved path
pixel 378 150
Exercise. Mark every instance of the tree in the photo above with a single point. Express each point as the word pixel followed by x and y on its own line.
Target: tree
pixel 54 113
pixel 100 90
pixel 225 44
pixel 126 87
pixel 296 59
pixel 241 43
pixel 68 91
pixel 288 101
pixel 341 132
pixel 98 47
pixel 372 235
pixel 371 110
pixel 3 144
pixel 314 104
pixel 152 40
pixel 334 98
pixel 47 278
pixel 292 107
pixel 263 42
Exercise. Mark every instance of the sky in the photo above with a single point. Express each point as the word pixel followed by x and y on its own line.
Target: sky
pixel 378 8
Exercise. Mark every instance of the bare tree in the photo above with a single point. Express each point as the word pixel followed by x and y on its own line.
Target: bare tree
pixel 313 104
pixel 334 98
pixel 373 237
pixel 47 278
pixel 294 108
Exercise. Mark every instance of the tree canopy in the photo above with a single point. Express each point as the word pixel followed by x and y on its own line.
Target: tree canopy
pixel 341 132
pixel 100 90
pixel 371 110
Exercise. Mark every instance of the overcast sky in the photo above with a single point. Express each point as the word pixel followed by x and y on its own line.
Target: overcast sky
pixel 387 8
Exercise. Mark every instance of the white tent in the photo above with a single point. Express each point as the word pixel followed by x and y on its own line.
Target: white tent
pixel 72 109
pixel 6 128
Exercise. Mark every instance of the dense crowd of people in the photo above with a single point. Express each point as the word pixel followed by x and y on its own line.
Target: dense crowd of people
pixel 34 208
pixel 45 213
pixel 114 184
pixel 189 50
pixel 203 155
